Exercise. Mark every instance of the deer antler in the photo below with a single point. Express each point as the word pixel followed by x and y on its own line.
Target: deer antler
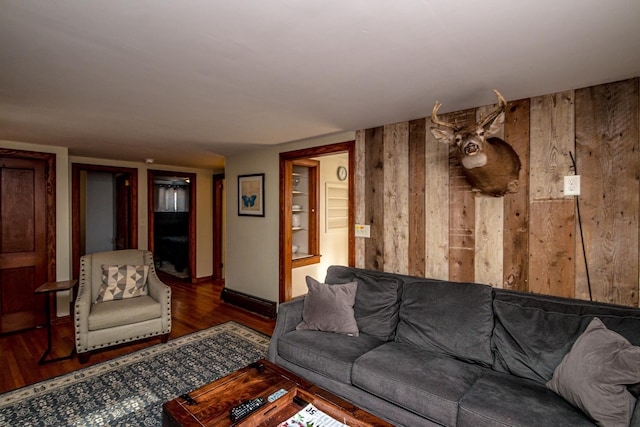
pixel 434 117
pixel 502 103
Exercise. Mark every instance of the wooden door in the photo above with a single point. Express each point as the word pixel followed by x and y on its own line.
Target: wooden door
pixel 23 242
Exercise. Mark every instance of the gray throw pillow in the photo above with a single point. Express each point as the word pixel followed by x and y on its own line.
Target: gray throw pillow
pixel 329 308
pixel 594 375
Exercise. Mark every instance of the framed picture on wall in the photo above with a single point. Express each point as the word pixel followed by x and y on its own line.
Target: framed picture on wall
pixel 251 195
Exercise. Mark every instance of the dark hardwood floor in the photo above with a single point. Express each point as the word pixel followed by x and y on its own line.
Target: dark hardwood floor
pixel 194 307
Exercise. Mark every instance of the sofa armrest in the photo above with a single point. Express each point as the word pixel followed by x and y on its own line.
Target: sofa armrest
pixel 161 292
pixel 82 307
pixel 289 316
pixel 635 419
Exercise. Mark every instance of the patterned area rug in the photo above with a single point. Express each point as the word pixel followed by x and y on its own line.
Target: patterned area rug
pixel 130 390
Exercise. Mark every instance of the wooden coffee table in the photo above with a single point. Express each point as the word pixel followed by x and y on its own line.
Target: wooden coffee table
pixel 211 404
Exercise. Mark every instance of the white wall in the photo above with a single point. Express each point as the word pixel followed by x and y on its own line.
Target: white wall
pixel 252 243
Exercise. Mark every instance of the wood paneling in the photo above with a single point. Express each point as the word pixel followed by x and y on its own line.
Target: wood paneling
pixel 516 205
pixel 417 211
pixel 552 137
pixel 374 198
pixel 551 256
pixel 462 208
pixel 359 174
pixel 552 226
pixel 437 207
pixel 607 145
pixel 528 240
pixel 489 224
pixel 396 197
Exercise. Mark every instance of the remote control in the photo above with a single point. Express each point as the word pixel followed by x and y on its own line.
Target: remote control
pixel 246 408
pixel 188 399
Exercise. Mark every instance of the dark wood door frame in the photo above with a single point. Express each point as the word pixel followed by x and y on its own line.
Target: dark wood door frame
pixel 151 175
pixel 285 291
pixel 76 198
pixel 218 186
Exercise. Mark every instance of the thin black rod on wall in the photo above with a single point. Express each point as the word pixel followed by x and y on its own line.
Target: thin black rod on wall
pixel 584 249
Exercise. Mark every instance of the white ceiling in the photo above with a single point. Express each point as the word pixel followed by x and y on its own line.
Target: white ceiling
pixel 188 81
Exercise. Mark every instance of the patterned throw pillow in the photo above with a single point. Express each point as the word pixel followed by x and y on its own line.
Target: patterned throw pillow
pixel 123 281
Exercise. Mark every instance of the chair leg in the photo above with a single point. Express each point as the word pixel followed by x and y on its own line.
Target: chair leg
pixel 164 338
pixel 84 357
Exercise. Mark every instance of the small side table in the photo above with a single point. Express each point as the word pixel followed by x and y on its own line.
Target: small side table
pixel 51 288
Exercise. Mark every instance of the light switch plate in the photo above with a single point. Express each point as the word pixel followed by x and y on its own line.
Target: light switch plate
pixel 363 230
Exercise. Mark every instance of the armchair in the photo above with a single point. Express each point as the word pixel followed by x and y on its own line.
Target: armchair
pixel 113 322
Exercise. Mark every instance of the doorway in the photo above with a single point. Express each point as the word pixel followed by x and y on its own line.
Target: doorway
pixel 287 162
pixel 172 229
pixel 104 210
pixel 218 227
pixel 27 236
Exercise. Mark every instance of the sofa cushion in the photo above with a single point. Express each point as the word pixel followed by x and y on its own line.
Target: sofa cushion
pixel 329 308
pixel 533 332
pixel 451 318
pixel 499 399
pixel 123 281
pixel 427 383
pixel 123 312
pixel 594 375
pixel 377 299
pixel 325 353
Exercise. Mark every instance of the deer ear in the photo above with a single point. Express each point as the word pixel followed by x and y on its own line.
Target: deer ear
pixel 496 125
pixel 442 135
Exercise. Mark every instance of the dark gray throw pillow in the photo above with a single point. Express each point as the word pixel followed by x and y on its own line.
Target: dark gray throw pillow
pixel 377 305
pixel 329 308
pixel 451 318
pixel 594 375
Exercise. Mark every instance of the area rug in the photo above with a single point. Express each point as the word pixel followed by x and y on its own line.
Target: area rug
pixel 130 390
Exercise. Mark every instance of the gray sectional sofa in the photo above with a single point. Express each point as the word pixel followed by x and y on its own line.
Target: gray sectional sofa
pixel 433 352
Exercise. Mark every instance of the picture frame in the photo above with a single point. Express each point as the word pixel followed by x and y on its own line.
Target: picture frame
pixel 251 195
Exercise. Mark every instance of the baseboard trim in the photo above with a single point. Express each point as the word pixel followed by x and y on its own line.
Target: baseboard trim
pixel 257 305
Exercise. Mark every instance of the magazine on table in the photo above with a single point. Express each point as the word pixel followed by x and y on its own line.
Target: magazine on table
pixel 310 416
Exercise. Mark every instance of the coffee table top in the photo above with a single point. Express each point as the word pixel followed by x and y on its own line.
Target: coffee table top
pixel 212 403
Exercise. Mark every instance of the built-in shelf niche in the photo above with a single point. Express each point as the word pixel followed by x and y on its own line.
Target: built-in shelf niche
pixel 304 212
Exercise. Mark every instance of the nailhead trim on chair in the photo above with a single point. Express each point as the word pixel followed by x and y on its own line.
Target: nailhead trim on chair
pixel 164 332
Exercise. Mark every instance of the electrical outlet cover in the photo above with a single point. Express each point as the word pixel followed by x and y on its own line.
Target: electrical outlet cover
pixel 572 185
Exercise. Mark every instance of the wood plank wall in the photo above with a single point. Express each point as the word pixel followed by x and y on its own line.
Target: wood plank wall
pixel 426 221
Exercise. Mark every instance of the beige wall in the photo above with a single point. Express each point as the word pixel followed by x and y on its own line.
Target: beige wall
pixel 252 243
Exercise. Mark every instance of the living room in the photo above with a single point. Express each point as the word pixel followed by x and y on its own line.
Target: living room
pixel 424 218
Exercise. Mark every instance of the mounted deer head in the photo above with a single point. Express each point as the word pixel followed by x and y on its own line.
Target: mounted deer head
pixel 491 165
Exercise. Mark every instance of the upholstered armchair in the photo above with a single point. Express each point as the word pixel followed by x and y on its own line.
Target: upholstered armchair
pixel 120 299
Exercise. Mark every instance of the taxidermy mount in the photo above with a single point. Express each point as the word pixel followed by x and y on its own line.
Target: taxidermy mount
pixel 492 166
